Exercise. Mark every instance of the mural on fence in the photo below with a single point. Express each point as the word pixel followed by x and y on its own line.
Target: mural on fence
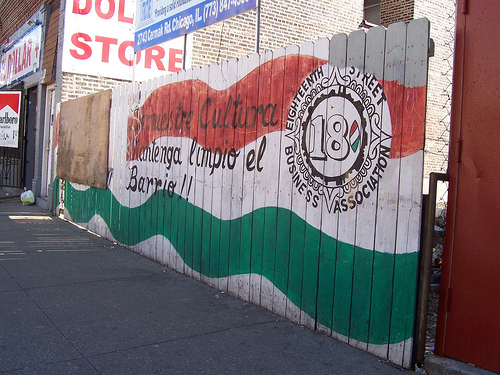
pixel 291 179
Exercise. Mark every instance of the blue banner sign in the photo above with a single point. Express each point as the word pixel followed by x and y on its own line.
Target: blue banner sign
pixel 160 20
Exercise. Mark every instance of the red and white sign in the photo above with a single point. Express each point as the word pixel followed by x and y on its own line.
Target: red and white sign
pixel 22 58
pixel 10 104
pixel 98 40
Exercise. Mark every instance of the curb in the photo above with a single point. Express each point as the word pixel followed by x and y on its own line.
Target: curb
pixel 436 365
pixel 9 200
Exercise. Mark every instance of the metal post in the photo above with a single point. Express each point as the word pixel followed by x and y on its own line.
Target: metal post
pixel 257 28
pixel 184 52
pixel 424 281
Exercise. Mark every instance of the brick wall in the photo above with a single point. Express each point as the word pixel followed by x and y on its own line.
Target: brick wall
pixel 50 50
pixel 396 10
pixel 77 85
pixel 441 14
pixel 14 13
pixel 282 23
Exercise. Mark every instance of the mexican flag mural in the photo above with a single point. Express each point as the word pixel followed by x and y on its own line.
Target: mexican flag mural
pixel 291 179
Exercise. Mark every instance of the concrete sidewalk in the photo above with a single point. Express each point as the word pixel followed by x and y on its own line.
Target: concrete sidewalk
pixel 74 303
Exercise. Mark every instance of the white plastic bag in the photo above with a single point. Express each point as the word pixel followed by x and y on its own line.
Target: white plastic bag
pixel 27 198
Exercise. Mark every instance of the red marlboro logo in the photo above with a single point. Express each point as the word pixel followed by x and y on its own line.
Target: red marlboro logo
pixel 9 118
pixel 10 99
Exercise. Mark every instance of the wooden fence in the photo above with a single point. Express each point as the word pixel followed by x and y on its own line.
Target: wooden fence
pixel 291 179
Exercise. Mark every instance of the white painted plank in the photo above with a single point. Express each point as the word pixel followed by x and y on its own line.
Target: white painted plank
pixel 395 70
pixel 415 76
pixel 259 188
pixel 281 277
pixel 271 165
pixel 366 211
pixel 330 218
pixel 313 218
pixel 121 169
pixel 297 239
pixel 179 97
pixel 214 192
pixel 225 141
pixel 241 181
pixel 263 181
pixel 196 191
pixel 388 188
pixel 347 219
pixel 184 176
pixel 163 244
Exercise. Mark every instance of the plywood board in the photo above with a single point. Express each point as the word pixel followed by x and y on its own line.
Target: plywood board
pixel 82 155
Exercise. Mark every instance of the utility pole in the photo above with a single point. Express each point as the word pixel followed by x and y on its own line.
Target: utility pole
pixel 257 28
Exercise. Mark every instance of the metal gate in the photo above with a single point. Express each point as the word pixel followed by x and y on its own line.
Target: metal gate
pixel 468 320
pixel 12 164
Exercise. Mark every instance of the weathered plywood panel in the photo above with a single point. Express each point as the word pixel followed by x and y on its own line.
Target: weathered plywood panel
pixel 82 154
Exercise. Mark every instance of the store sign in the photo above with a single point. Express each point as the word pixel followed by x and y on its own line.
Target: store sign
pixel 22 58
pixel 10 105
pixel 98 40
pixel 162 20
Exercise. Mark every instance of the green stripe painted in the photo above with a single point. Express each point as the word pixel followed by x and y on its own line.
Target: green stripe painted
pixel 343 287
pixel 55 195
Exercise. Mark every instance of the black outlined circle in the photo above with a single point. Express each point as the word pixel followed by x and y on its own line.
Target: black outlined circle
pixel 351 168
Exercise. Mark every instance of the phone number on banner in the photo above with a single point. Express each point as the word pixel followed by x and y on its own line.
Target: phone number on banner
pixel 196 17
pixel 216 7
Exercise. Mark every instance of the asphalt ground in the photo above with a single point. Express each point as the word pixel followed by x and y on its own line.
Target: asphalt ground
pixel 72 302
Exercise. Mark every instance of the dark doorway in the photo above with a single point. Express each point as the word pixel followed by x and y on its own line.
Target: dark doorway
pixel 30 137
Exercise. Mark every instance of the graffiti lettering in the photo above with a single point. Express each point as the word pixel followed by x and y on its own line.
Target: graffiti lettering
pixel 341 141
pixel 309 82
pixel 251 156
pixel 146 184
pixel 374 86
pixel 221 117
pixel 176 119
pixel 205 157
pixel 364 192
pixel 161 154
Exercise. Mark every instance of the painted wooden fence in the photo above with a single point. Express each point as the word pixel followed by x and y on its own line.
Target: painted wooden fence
pixel 291 179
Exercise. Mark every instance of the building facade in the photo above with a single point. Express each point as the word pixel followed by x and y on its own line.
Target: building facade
pixel 56 50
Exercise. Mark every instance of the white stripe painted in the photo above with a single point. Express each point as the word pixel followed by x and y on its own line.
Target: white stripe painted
pixel 240 177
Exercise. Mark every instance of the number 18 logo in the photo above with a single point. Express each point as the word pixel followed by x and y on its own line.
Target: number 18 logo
pixel 338 131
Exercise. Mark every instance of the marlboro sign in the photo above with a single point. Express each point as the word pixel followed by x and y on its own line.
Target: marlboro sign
pixel 10 104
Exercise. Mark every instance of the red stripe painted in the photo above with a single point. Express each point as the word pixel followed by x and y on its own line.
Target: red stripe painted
pixel 217 115
pixel 256 105
pixel 407 108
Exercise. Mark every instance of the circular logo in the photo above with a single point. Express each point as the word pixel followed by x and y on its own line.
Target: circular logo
pixel 338 132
